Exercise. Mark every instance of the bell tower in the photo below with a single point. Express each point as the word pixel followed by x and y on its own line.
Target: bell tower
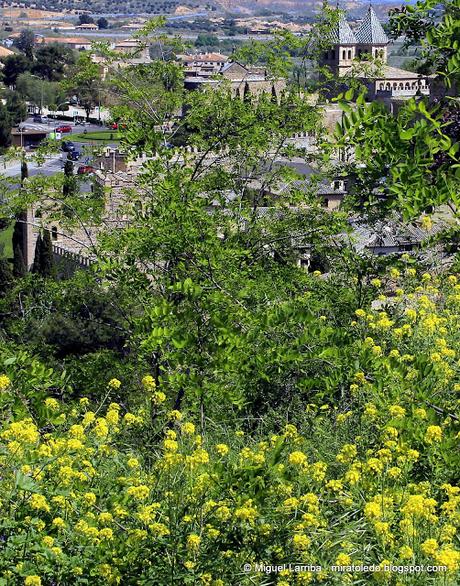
pixel 371 38
pixel 340 56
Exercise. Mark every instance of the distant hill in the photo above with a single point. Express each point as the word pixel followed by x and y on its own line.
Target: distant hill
pixel 185 7
pixel 301 6
pixel 131 7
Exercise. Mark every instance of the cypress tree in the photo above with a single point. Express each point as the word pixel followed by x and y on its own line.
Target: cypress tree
pixel 24 171
pixel 47 268
pixel 18 234
pixel 68 187
pixel 36 267
pixel 19 265
pixel 247 93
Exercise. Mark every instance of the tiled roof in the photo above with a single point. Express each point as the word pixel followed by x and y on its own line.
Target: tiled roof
pixel 203 57
pixel 392 73
pixel 397 73
pixel 390 234
pixel 68 40
pixel 4 52
pixel 371 31
pixel 342 33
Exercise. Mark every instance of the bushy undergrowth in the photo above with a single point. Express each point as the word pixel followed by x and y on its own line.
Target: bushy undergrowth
pixel 368 480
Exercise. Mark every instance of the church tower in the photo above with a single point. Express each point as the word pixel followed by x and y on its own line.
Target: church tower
pixel 340 57
pixel 371 38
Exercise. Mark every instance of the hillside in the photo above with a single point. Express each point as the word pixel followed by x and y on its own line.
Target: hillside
pixel 185 7
pixel 294 6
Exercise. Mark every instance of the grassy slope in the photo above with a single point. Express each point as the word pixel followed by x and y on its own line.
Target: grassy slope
pixel 6 246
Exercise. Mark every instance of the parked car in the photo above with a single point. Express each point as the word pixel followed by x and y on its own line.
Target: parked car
pixel 64 128
pixel 80 122
pixel 84 169
pixel 67 146
pixel 40 119
pixel 73 155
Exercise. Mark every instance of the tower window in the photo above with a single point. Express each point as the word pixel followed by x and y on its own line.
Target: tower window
pixel 54 233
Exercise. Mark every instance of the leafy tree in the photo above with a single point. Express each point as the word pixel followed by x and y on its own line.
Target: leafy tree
pixel 26 43
pixel 408 162
pixel 16 107
pixel 85 19
pixel 39 91
pixel 14 65
pixel 84 80
pixel 204 40
pixel 434 25
pixel 102 23
pixel 51 61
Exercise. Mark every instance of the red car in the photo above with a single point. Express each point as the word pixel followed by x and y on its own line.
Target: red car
pixel 64 129
pixel 83 169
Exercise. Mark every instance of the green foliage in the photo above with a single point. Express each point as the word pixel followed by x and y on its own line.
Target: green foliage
pixel 14 66
pixel 84 81
pixel 6 276
pixel 102 23
pixel 51 61
pixel 325 403
pixel 406 161
pixel 436 27
pixel 16 107
pixel 26 42
pixel 44 260
pixel 19 265
pixel 6 125
pixel 208 41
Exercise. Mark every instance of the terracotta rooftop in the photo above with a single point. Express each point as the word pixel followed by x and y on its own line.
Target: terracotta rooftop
pixel 205 57
pixel 65 40
pixel 4 52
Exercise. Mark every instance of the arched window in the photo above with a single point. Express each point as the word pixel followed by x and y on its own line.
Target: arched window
pixel 349 54
pixel 344 54
pixel 54 233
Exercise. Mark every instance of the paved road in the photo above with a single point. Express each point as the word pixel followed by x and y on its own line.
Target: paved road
pixel 50 167
pixel 51 124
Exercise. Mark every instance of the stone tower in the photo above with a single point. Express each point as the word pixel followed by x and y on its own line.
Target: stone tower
pixel 371 38
pixel 340 57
